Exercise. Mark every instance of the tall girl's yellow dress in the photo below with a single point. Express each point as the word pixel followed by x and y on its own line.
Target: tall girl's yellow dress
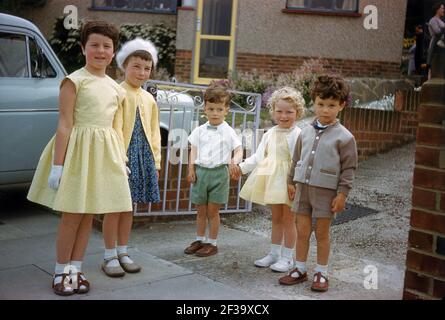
pixel 94 178
pixel 267 184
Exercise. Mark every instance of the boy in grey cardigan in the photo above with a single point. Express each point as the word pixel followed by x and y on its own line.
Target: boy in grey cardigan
pixel 321 177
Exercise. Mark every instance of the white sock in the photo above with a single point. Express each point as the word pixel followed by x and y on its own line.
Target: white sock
pixel 59 269
pixel 211 241
pixel 110 253
pixel 62 268
pixel 76 266
pixel 201 238
pixel 275 250
pixel 122 250
pixel 322 269
pixel 288 253
pixel 300 265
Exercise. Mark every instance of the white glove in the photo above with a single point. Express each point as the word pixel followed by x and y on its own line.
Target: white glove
pixel 128 171
pixel 54 176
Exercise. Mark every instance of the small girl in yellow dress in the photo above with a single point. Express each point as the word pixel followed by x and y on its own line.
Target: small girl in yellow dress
pixel 137 122
pixel 81 171
pixel 267 184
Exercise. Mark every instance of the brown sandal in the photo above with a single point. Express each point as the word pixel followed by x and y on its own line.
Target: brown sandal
pixel 62 288
pixel 81 282
pixel 318 285
pixel 289 279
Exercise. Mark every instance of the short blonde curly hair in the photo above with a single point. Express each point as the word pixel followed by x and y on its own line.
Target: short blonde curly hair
pixel 289 95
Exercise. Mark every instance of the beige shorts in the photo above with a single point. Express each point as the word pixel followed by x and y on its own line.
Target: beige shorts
pixel 313 201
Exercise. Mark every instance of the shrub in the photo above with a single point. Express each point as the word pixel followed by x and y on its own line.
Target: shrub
pixel 301 79
pixel 66 43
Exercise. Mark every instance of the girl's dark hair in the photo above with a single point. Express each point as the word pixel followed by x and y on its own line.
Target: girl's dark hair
pixel 436 7
pixel 101 27
pixel 144 55
pixel 330 87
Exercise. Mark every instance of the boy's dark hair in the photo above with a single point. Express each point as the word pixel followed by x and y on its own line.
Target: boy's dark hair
pixel 217 94
pixel 144 55
pixel 101 27
pixel 436 7
pixel 330 87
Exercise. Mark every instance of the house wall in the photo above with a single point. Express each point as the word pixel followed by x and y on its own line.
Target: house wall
pixel 271 40
pixel 45 17
pixel 264 29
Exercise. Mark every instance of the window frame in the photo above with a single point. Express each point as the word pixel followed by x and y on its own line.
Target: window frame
pixel 97 7
pixel 38 43
pixel 322 11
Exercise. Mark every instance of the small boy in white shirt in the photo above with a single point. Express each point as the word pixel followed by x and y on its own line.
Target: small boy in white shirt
pixel 210 168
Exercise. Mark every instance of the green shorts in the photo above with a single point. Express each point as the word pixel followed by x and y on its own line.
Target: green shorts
pixel 212 185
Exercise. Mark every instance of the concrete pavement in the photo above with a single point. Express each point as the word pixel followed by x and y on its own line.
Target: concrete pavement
pixel 27 251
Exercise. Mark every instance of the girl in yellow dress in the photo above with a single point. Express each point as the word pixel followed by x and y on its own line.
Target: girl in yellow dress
pixel 82 172
pixel 267 184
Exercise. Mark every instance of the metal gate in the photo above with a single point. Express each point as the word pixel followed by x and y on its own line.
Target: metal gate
pixel 181 110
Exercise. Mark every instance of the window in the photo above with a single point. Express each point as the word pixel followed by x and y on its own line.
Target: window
pixel 14 60
pixel 13 56
pixel 40 66
pixel 324 5
pixel 153 6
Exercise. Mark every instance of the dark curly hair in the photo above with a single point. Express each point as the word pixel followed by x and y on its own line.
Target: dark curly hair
pixel 436 6
pixel 101 27
pixel 217 93
pixel 330 87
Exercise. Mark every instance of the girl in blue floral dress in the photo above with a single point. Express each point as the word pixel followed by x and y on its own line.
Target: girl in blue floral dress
pixel 138 126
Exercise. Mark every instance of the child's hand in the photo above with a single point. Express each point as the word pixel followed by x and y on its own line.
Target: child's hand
pixel 54 176
pixel 158 173
pixel 338 204
pixel 291 191
pixel 191 177
pixel 234 171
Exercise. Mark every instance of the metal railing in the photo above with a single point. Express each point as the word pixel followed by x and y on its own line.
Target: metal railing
pixel 181 108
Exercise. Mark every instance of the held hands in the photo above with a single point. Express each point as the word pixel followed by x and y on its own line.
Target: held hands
pixel 235 171
pixel 54 176
pixel 191 177
pixel 291 191
pixel 338 204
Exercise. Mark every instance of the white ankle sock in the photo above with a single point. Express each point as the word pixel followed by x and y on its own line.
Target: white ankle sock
pixel 201 238
pixel 76 266
pixel 301 265
pixel 211 241
pixel 322 269
pixel 59 269
pixel 110 253
pixel 275 250
pixel 288 253
pixel 62 268
pixel 121 250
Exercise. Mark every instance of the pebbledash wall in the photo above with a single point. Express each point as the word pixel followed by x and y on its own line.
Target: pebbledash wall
pixel 270 38
pixel 45 16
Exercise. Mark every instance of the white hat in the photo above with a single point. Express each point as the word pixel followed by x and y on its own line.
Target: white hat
pixel 134 45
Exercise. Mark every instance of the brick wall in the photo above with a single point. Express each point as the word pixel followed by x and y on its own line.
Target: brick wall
pixel 377 131
pixel 286 64
pixel 183 65
pixel 425 261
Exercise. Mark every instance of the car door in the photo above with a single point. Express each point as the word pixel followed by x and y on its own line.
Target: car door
pixel 30 75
